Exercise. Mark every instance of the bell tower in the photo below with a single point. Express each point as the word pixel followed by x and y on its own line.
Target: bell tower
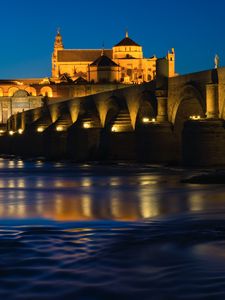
pixel 58 45
pixel 58 41
pixel 171 62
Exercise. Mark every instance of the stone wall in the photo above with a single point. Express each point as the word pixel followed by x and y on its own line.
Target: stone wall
pixel 203 143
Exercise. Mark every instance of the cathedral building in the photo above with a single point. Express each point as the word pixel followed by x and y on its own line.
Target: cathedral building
pixel 123 63
pixel 75 72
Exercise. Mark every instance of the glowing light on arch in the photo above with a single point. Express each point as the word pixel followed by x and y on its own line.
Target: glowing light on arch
pixel 188 92
pixel 31 90
pixel 1 92
pixel 12 91
pixel 46 91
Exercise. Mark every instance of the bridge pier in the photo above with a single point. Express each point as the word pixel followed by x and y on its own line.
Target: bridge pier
pixel 156 143
pixel 162 115
pixel 23 120
pixel 212 109
pixel 54 143
pixel 83 144
pixel 121 145
pixel 203 143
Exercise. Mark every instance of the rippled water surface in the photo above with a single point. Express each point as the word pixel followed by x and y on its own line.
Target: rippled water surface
pixel 97 232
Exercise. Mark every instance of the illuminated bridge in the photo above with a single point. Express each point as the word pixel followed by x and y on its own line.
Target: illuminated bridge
pixel 168 120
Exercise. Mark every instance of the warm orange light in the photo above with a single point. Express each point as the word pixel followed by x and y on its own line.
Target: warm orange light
pixel 40 129
pixel 195 117
pixel 11 132
pixel 20 131
pixel 60 128
pixel 86 125
pixel 114 128
pixel 145 120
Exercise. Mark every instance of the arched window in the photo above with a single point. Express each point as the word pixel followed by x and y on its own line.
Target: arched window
pixel 31 90
pixel 12 90
pixel 46 91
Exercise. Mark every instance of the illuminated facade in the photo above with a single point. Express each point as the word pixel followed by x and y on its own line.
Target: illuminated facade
pixel 74 72
pixel 125 63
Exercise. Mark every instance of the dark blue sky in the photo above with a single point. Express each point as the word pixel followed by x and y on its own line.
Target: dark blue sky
pixel 196 29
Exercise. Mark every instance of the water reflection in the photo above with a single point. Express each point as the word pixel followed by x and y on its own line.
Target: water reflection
pixel 149 208
pixel 64 260
pixel 60 195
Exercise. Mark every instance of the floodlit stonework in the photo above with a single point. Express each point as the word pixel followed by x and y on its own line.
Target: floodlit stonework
pixel 130 66
pixel 79 73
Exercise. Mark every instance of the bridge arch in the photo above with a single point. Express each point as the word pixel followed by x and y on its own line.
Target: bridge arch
pixel 147 108
pixel 107 109
pixel 113 110
pixel 189 103
pixel 87 115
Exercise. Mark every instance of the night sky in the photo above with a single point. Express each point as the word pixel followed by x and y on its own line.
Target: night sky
pixel 196 29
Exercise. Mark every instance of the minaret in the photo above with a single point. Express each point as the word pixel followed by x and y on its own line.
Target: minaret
pixel 58 45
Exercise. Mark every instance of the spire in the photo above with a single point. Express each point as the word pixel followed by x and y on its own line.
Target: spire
pixel 58 40
pixel 103 49
pixel 127 34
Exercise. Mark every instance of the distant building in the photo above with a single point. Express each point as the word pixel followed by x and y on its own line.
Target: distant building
pixel 125 60
pixel 74 72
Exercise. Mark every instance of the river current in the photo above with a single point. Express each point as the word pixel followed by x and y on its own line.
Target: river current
pixel 102 232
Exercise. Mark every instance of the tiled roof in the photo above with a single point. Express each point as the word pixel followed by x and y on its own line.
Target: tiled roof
pixel 81 55
pixel 104 61
pixel 127 42
pixel 80 80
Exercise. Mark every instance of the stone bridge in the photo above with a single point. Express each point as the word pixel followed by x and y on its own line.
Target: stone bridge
pixel 168 120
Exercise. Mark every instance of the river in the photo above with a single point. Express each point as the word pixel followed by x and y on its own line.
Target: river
pixel 102 232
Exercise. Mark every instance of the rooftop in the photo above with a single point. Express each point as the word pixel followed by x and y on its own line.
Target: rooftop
pixel 127 42
pixel 88 55
pixel 104 61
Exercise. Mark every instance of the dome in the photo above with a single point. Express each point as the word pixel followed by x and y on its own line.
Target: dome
pixel 127 42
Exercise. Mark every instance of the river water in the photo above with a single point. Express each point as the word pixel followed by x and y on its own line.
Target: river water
pixel 96 232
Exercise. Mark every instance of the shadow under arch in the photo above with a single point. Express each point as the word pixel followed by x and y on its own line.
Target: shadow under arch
pixel 117 136
pixel 188 91
pixel 83 138
pixel 113 108
pixel 190 102
pixel 147 108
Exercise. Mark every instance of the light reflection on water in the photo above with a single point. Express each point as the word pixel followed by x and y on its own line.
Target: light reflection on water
pixel 57 192
pixel 142 235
